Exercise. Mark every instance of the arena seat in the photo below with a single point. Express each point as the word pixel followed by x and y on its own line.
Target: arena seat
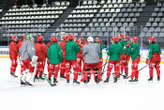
pixel 32 19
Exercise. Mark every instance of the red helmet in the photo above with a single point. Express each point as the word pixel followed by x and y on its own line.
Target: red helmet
pixel 13 37
pixel 151 38
pixel 127 37
pixel 39 38
pixel 121 35
pixel 112 38
pixel 24 38
pixel 97 38
pixel 82 39
pixel 54 39
pixel 116 39
pixel 100 41
pixel 135 39
pixel 70 37
pixel 64 37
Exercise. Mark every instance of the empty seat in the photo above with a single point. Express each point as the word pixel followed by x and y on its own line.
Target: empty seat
pixel 155 24
pixel 161 24
pixel 158 29
pixel 154 14
pixel 161 34
pixel 148 24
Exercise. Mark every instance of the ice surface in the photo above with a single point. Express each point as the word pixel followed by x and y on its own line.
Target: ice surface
pixel 142 95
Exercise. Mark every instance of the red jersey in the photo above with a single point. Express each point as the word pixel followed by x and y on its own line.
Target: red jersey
pixel 13 49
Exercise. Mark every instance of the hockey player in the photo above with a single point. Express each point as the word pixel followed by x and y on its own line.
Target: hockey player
pixel 48 63
pixel 125 56
pixel 40 53
pixel 80 61
pixel 55 58
pixel 121 38
pixel 20 42
pixel 44 54
pixel 114 53
pixel 100 55
pixel 91 53
pixel 62 68
pixel 134 51
pixel 28 58
pixel 13 53
pixel 72 49
pixel 154 58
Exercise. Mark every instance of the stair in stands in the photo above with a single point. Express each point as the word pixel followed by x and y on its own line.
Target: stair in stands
pixel 146 14
pixel 59 21
pixel 98 10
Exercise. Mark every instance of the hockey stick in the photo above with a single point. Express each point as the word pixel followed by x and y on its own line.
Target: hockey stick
pixel 49 82
pixel 135 71
pixel 45 77
pixel 104 65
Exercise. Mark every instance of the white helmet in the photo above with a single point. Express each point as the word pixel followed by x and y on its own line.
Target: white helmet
pixel 90 39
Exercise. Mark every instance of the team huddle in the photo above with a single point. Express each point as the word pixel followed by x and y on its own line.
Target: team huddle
pixel 83 56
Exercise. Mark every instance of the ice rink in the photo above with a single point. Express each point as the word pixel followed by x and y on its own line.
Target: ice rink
pixel 123 95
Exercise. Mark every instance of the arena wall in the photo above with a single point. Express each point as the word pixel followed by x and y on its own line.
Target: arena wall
pixel 4 53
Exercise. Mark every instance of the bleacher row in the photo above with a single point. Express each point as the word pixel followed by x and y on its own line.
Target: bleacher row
pixel 90 18
pixel 155 24
pixel 32 20
pixel 102 19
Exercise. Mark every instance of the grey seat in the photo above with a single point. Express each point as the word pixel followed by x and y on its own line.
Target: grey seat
pixel 162 19
pixel 128 20
pixel 123 10
pixel 109 15
pixel 125 15
pixel 162 9
pixel 104 29
pixel 157 19
pixel 161 34
pixel 148 34
pixel 162 29
pixel 158 29
pixel 117 20
pixel 134 9
pixel 113 24
pixel 160 14
pixel 140 9
pixel 155 34
pixel 137 14
pixel 154 14
pixel 131 15
pixel 155 24
pixel 151 29
pixel 92 29
pixel 119 24
pixel 122 20
pixel 128 29
pixel 161 24
pixel 156 9
pixel 105 20
pixel 100 20
pixel 86 29
pixel 103 15
pixel 95 20
pixel 109 29
pixel 129 10
pixel 151 19
pixel 131 24
pixel 120 15
pixel 148 24
pixel 134 19
pixel 102 24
